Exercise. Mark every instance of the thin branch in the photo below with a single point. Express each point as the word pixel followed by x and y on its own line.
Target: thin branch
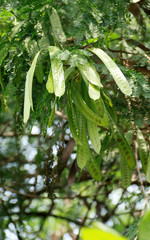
pixel 16 15
pixel 26 195
pixel 44 214
pixel 136 156
pixel 61 115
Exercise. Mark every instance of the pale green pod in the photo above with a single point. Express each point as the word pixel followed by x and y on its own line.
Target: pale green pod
pixel 49 84
pixel 122 143
pixel 94 91
pixel 129 136
pixel 94 136
pixel 88 71
pixel 67 72
pixel 148 170
pixel 72 118
pixel 107 99
pixel 58 32
pixel 39 72
pixel 118 76
pixel 101 109
pixel 92 127
pixel 94 168
pixel 83 152
pixel 84 109
pixel 28 89
pixel 125 173
pixel 57 72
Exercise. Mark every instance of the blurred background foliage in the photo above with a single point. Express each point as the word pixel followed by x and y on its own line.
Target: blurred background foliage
pixel 42 191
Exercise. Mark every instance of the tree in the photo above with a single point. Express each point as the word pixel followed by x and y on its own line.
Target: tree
pixel 73 162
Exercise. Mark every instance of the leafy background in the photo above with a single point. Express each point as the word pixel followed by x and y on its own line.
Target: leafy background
pixel 43 193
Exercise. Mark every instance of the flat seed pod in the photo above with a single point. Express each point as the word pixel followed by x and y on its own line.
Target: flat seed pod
pixel 83 152
pixel 94 92
pixel 72 118
pixel 109 106
pixel 148 170
pixel 92 127
pixel 94 169
pixel 122 143
pixel 101 110
pixel 28 89
pixel 58 32
pixel 88 71
pixel 125 174
pixel 94 136
pixel 143 151
pixel 39 72
pixel 129 136
pixel 107 99
pixel 84 109
pixel 57 72
pixel 49 84
pixel 68 71
pixel 118 76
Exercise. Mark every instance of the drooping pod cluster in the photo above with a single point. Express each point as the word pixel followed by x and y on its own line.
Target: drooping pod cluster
pixel 88 106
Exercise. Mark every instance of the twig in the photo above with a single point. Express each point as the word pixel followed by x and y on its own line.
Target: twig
pixel 140 177
pixel 136 156
pixel 27 195
pixel 61 115
pixel 16 16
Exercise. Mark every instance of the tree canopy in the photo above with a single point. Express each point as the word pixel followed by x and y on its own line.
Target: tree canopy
pixel 75 119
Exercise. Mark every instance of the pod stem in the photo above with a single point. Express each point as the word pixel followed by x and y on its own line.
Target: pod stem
pixel 136 156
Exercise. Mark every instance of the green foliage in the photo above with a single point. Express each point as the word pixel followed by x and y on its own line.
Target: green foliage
pixel 132 231
pixel 43 193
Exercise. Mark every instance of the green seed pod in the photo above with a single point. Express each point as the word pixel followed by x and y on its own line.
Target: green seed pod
pixel 148 170
pixel 125 174
pixel 57 72
pixel 143 151
pixel 122 143
pixel 84 109
pixel 49 84
pixel 118 76
pixel 101 109
pixel 94 136
pixel 58 32
pixel 72 118
pixel 94 168
pixel 83 152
